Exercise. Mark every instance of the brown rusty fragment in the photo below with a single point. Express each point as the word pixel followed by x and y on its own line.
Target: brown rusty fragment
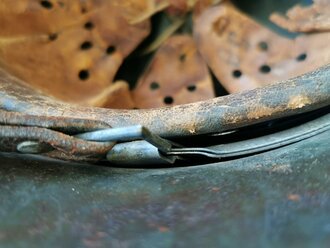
pixel 70 50
pixel 295 102
pixel 72 147
pixel 262 111
pixel 177 75
pixel 51 133
pixel 245 55
pixel 298 102
pixel 305 19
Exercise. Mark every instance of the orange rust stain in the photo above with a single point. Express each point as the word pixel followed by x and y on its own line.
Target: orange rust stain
pixel 220 25
pixel 294 197
pixel 234 119
pixel 298 102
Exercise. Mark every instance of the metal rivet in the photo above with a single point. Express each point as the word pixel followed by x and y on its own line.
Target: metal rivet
pixel 29 147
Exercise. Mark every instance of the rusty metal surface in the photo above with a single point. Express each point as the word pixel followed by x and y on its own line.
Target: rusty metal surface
pixel 53 134
pixel 305 93
pixel 38 117
pixel 251 202
pixel 65 147
pixel 70 125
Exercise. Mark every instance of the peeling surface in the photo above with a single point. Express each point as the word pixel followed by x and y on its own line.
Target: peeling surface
pixel 262 111
pixel 298 102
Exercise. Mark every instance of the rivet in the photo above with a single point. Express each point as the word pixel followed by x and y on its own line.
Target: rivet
pixel 29 147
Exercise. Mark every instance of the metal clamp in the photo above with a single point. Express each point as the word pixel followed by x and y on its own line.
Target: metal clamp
pixel 150 149
pixel 140 146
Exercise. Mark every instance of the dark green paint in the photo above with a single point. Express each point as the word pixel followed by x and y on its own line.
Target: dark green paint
pixel 273 199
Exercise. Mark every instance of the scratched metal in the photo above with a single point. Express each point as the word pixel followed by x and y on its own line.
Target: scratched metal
pixel 257 201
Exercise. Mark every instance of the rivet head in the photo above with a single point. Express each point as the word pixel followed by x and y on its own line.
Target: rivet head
pixel 29 147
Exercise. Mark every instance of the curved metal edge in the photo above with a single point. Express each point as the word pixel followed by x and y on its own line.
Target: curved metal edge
pixel 260 144
pixel 298 95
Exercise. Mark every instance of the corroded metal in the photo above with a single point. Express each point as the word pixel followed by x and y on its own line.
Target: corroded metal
pixel 138 153
pixel 64 146
pixel 69 125
pixel 38 113
pixel 298 95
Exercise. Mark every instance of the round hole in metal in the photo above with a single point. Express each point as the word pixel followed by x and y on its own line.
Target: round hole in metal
pixel 111 50
pixel 301 57
pixel 263 46
pixel 46 4
pixel 168 100
pixel 89 25
pixel 237 73
pixel 86 45
pixel 265 69
pixel 154 86
pixel 191 88
pixel 83 74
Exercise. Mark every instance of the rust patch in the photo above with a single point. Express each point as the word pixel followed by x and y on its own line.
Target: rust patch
pixel 65 147
pixel 233 119
pixel 262 111
pixel 213 116
pixel 294 197
pixel 220 25
pixel 299 101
